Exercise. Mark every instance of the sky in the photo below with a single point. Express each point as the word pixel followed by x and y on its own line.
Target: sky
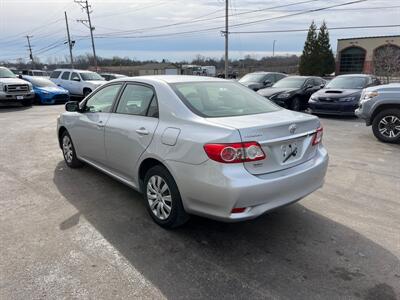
pixel 179 30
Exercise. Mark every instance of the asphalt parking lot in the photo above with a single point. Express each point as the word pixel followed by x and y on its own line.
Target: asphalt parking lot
pixel 80 234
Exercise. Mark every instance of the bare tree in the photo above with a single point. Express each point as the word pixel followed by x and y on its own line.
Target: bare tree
pixel 387 61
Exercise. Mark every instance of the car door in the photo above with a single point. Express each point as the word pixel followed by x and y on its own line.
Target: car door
pixel 75 84
pixel 130 129
pixel 64 80
pixel 88 132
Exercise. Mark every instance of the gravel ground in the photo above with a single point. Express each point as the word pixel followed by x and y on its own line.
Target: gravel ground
pixel 80 234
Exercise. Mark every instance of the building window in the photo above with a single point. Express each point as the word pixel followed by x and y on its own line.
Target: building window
pixel 387 60
pixel 352 60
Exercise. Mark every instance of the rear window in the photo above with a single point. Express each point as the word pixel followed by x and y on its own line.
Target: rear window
pixel 65 75
pixel 55 74
pixel 221 99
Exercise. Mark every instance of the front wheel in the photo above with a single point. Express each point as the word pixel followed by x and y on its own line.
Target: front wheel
pixel 386 126
pixel 295 104
pixel 163 199
pixel 86 92
pixel 69 151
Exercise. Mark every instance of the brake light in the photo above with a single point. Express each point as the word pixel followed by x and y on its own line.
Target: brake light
pixel 238 210
pixel 317 136
pixel 235 152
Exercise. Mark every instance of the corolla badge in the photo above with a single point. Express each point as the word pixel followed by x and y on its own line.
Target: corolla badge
pixel 292 128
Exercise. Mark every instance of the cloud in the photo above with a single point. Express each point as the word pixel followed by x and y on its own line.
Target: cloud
pixel 18 18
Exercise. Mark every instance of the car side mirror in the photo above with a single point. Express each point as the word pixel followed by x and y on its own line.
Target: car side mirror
pixel 267 83
pixel 72 106
pixel 322 85
pixel 308 86
pixel 76 79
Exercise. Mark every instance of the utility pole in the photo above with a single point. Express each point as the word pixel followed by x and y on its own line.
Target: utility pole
pixel 273 48
pixel 85 5
pixel 226 38
pixel 28 37
pixel 70 43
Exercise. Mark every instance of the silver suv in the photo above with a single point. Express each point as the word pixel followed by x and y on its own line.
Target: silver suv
pixel 13 89
pixel 380 107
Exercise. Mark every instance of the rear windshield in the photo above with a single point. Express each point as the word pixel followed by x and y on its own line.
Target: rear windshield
pixel 222 99
pixel 41 82
pixel 347 82
pixel 252 78
pixel 290 82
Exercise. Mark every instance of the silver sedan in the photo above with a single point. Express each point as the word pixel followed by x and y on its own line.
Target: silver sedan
pixel 195 145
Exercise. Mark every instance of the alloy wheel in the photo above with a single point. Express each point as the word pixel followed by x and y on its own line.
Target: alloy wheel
pixel 159 197
pixel 389 126
pixel 68 151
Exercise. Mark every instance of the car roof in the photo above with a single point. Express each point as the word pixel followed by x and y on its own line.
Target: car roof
pixel 304 77
pixel 172 78
pixel 265 72
pixel 74 70
pixel 356 75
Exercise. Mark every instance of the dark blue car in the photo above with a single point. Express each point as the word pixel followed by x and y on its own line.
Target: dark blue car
pixel 46 91
pixel 341 95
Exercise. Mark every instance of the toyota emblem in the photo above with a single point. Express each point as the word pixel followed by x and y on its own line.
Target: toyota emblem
pixel 292 128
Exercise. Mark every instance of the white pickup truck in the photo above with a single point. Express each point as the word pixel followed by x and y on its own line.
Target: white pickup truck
pixel 14 90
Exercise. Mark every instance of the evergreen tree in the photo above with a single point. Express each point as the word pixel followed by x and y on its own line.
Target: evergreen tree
pixel 326 60
pixel 309 58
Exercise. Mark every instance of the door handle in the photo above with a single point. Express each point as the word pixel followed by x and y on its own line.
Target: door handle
pixel 142 131
pixel 100 124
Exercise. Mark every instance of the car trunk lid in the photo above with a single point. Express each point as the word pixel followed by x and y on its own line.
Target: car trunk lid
pixel 285 137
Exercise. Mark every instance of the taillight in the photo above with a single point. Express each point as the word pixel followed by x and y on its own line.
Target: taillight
pixel 235 152
pixel 317 136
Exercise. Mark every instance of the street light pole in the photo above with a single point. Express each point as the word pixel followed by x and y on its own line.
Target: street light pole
pixel 273 48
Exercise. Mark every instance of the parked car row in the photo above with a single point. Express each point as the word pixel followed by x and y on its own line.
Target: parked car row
pixel 346 95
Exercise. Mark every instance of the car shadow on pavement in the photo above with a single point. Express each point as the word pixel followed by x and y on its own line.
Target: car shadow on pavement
pixel 291 253
pixel 12 108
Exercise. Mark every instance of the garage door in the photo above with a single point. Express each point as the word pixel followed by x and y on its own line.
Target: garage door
pixel 171 71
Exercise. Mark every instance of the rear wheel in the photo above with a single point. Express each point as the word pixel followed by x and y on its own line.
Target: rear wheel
pixel 295 104
pixel 163 199
pixel 386 126
pixel 69 151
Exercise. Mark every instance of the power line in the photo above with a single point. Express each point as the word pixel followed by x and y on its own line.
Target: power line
pixel 200 19
pixel 305 30
pixel 299 13
pixel 115 35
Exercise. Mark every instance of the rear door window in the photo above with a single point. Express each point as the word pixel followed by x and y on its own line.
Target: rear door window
pixel 65 76
pixel 136 100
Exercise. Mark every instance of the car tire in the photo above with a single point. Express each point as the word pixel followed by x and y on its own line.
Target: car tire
pixel 384 126
pixel 27 102
pixel 86 92
pixel 295 104
pixel 163 200
pixel 69 152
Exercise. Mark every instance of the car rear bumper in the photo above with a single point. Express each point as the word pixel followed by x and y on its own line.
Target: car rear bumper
pixel 212 189
pixel 333 108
